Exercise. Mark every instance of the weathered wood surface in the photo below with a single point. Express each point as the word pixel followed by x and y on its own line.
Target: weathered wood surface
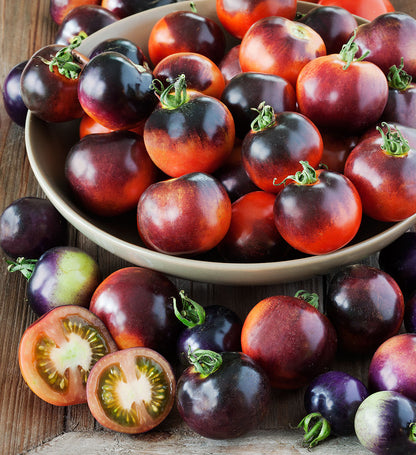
pixel 28 425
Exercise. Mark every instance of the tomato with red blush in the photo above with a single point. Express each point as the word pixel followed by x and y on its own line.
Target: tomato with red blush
pixel 368 9
pixel 88 126
pixel 337 147
pixel 230 64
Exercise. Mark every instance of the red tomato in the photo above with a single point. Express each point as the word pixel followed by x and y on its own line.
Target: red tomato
pixel 368 9
pixel 57 352
pixel 290 339
pixel 328 211
pixel 58 9
pixel 337 147
pixel 383 169
pixel 132 390
pixel 238 17
pixel 276 45
pixel 90 126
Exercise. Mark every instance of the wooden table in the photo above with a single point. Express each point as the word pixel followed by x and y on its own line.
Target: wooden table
pixel 29 425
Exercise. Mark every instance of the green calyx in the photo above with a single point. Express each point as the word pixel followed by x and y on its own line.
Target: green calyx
pixel 205 362
pixel 393 141
pixel 397 77
pixel 348 51
pixel 316 428
pixel 191 314
pixel 412 432
pixel 64 59
pixel 265 118
pixel 174 95
pixel 307 176
pixel 310 297
pixel 23 265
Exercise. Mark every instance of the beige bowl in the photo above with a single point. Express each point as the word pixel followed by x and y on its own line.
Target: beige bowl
pixel 48 144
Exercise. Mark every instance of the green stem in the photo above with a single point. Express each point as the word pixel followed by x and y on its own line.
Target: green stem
pixel 348 51
pixel 393 141
pixel 174 95
pixel 310 297
pixel 307 176
pixel 191 314
pixel 397 77
pixel 316 428
pixel 204 361
pixel 265 118
pixel 412 435
pixel 25 266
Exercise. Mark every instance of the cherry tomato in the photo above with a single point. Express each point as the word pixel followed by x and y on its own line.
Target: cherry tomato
pixel 183 226
pixel 122 45
pixel 276 45
pixel 57 352
pixel 328 211
pixel 382 169
pixel 368 9
pixel 58 9
pixel 12 95
pixel 132 390
pixel 238 17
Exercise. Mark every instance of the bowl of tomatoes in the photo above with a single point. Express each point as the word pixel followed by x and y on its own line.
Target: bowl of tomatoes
pixel 136 238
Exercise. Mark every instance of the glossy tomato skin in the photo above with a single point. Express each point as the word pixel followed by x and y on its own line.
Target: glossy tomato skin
pixel 58 9
pixel 99 163
pixel 197 136
pixel 12 96
pixel 368 10
pixel 186 31
pixel 349 99
pixel 276 45
pixel 290 339
pixel 124 8
pixel 337 147
pixel 173 224
pixel 400 107
pixel 247 90
pixel 385 182
pixel 87 126
pixel 234 178
pixel 271 154
pixel 122 45
pixel 135 304
pixel 366 307
pixel 328 213
pixel 230 63
pixel 58 332
pixel 238 17
pixel 229 402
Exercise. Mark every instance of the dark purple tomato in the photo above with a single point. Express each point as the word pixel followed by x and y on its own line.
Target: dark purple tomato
pixel 230 64
pixel 399 260
pixel 123 46
pixel 385 424
pixel 29 226
pixel 410 314
pixel 124 8
pixel 366 307
pixel 226 403
pixel 334 24
pixel 62 276
pixel 58 9
pixel 12 96
pixel 126 96
pixel 235 180
pixel 83 18
pixel 246 91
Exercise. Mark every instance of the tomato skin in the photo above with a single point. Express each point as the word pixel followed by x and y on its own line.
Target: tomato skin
pixel 230 64
pixel 337 147
pixel 385 182
pixel 238 16
pixel 276 45
pixel 368 9
pixel 327 216
pixel 401 106
pixel 348 100
pixel 88 126
pixel 290 339
pixel 58 9
pixel 50 327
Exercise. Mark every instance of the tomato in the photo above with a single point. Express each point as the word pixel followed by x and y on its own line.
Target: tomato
pixel 58 9
pixel 328 211
pixel 57 352
pixel 238 17
pixel 132 390
pixel 124 46
pixel 368 9
pixel 124 8
pixel 337 147
pixel 12 96
pixel 340 92
pixel 275 145
pixel 184 216
pixel 276 45
pixel 88 126
pixel 235 180
pixel 230 63
pixel 289 338
pixel 188 131
pixel 382 169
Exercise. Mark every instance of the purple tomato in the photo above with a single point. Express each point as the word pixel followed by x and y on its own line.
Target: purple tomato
pixel 12 96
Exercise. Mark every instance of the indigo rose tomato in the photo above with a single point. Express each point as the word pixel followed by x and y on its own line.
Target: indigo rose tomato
pixel 57 352
pixel 125 98
pixel 328 211
pixel 388 38
pixel 366 307
pixel 280 46
pixel 29 226
pixel 252 235
pixel 238 17
pixel 382 169
pixel 172 223
pixel 390 367
pixel 100 163
pixel 135 304
pixel 230 63
pixel 341 92
pixel 131 390
pixel 58 9
pixel 222 395
pixel 235 180
pixel 408 132
pixel 336 148
pixel 334 24
pixel 369 9
pixel 385 423
pixel 331 401
pixel 188 131
pixel 275 145
pixel 123 46
pixel 87 126
pixel 247 90
pixel 12 95
pixel 124 8
pixel 186 31
pixel 201 73
pixel 289 338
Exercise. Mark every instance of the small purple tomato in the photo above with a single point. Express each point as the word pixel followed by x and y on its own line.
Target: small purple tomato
pixel 12 96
